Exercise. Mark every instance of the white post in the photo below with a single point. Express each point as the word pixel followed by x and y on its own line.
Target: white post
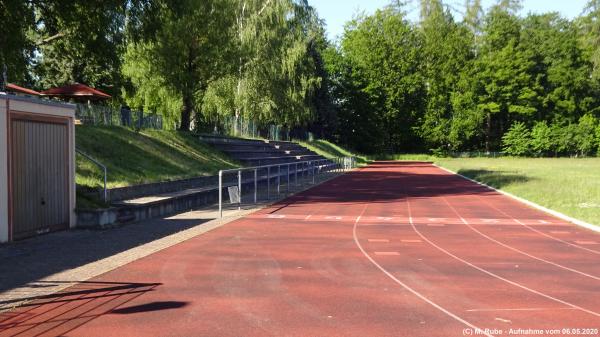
pixel 240 189
pixel 268 182
pixel 278 178
pixel 220 194
pixel 255 184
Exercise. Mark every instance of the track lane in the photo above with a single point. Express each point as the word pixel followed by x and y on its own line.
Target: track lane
pixel 509 296
pixel 301 272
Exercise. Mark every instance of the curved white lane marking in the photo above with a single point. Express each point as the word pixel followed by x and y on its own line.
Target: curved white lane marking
pixel 535 206
pixel 495 275
pixel 516 249
pixel 414 292
pixel 538 231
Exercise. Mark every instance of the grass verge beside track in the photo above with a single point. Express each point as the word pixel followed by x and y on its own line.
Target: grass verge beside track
pixel 567 185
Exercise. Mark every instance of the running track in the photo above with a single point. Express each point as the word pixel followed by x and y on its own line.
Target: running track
pixel 394 249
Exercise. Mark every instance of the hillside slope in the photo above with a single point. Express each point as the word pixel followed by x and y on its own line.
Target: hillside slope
pixel 145 156
pixel 331 150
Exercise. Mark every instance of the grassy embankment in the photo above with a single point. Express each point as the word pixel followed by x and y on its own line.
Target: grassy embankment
pixel 145 156
pixel 331 150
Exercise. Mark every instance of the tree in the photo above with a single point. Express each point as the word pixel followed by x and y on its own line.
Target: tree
pixel 16 49
pixel 446 53
pixel 502 88
pixel 277 64
pixel 585 136
pixel 185 45
pixel 560 71
pixel 541 139
pixel 516 141
pixel 383 53
pixel 79 41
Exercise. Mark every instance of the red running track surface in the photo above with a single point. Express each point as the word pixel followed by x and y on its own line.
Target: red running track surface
pixel 394 249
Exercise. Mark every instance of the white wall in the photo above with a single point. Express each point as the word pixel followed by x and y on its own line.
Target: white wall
pixel 3 172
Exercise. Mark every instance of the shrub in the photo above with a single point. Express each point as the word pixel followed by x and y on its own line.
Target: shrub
pixel 541 139
pixel 585 136
pixel 516 141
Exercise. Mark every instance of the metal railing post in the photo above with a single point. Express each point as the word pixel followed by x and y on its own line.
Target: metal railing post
pixel 104 170
pixel 255 184
pixel 268 182
pixel 288 178
pixel 278 178
pixel 220 194
pixel 296 175
pixel 240 189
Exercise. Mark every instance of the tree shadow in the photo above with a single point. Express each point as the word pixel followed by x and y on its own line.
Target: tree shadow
pixel 22 263
pixel 496 179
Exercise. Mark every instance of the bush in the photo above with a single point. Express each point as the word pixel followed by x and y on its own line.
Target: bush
pixel 516 141
pixel 541 139
pixel 585 136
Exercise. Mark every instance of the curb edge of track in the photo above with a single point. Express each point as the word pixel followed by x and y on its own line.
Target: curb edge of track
pixel 529 203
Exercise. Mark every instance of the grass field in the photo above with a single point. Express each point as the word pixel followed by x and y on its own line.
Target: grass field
pixel 567 185
pixel 143 157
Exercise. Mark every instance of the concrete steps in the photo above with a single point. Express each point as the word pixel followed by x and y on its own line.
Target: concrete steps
pixel 254 152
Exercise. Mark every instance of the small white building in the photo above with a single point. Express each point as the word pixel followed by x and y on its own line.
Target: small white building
pixel 37 166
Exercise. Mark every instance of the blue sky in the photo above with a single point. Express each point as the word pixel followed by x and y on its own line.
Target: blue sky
pixel 337 12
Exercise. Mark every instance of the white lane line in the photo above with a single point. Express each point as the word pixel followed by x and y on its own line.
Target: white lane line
pixel 518 309
pixel 529 203
pixel 516 249
pixel 378 240
pixel 498 276
pixel 540 232
pixel 560 232
pixel 403 285
pixel 307 217
pixel 586 242
pixel 386 253
pixel 411 241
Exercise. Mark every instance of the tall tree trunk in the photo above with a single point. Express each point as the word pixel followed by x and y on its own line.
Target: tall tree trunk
pixel 488 131
pixel 186 113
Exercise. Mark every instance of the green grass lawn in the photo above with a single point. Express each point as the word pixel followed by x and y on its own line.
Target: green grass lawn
pixel 142 157
pixel 331 150
pixel 570 186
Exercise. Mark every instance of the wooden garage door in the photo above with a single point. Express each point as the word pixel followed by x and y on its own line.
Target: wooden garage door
pixel 39 174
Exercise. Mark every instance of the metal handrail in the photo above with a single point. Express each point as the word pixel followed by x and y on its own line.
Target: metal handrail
pixel 99 164
pixel 337 162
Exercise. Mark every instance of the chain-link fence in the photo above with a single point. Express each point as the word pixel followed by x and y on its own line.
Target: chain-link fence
pixel 249 128
pixel 89 114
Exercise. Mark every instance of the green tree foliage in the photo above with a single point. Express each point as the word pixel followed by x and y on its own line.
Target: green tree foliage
pixel 388 85
pixel 79 41
pixel 185 46
pixel 446 53
pixel 380 65
pixel 541 139
pixel 276 77
pixel 517 140
pixel 16 49
pixel 476 78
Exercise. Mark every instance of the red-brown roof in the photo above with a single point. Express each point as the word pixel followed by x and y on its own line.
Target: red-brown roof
pixel 15 88
pixel 75 90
